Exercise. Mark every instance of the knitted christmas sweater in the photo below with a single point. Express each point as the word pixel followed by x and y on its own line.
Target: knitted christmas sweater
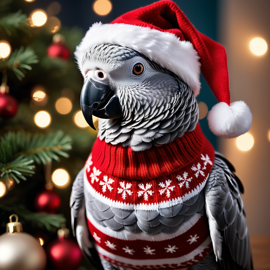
pixel 157 178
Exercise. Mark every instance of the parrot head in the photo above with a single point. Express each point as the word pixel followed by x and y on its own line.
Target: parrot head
pixel 139 103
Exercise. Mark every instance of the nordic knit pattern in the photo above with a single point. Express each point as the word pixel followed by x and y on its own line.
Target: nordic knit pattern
pixel 157 178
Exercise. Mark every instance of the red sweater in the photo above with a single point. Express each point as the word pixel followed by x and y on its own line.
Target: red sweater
pixel 149 180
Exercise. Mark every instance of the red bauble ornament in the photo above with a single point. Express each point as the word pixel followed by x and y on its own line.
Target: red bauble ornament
pixel 47 201
pixel 63 253
pixel 58 48
pixel 8 104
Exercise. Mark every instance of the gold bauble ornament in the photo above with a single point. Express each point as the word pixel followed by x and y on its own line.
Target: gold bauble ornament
pixel 19 250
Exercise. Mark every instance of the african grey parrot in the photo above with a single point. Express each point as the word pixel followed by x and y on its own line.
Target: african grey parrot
pixel 153 194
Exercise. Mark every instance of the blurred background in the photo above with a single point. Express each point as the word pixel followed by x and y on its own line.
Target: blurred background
pixel 41 35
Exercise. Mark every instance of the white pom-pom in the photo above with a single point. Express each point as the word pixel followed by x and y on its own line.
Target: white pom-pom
pixel 230 121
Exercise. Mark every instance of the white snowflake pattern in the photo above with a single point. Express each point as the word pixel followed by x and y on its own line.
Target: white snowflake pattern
pixel 206 160
pixel 94 175
pixel 184 180
pixel 128 250
pixel 166 188
pixel 110 245
pixel 88 164
pixel 145 191
pixel 125 189
pixel 193 239
pixel 96 237
pixel 171 249
pixel 149 251
pixel 198 170
pixel 106 183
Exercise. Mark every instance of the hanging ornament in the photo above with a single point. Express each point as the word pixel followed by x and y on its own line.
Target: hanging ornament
pixel 19 250
pixel 58 48
pixel 63 253
pixel 48 200
pixel 8 104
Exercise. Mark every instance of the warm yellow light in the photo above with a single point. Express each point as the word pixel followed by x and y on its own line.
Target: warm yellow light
pixel 10 183
pixel 38 95
pixel 3 189
pixel 63 105
pixel 29 0
pixel 38 18
pixel 53 24
pixel 60 177
pixel 245 142
pixel 258 46
pixel 79 120
pixel 5 49
pixel 102 7
pixel 41 241
pixel 203 110
pixel 42 119
pixel 54 8
pixel 268 135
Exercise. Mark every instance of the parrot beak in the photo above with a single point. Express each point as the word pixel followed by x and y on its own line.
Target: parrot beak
pixel 99 100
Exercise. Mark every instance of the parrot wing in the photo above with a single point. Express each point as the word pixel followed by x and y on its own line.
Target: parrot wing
pixel 226 216
pixel 79 221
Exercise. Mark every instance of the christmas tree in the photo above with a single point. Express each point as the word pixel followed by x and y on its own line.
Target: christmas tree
pixel 44 138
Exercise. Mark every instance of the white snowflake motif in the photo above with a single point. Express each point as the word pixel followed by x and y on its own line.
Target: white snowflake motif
pixel 94 175
pixel 184 180
pixel 106 184
pixel 198 170
pixel 193 239
pixel 96 237
pixel 128 250
pixel 166 188
pixel 88 164
pixel 145 191
pixel 125 189
pixel 171 249
pixel 110 245
pixel 149 251
pixel 206 160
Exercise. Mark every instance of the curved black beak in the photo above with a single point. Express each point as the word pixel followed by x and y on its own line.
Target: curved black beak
pixel 99 100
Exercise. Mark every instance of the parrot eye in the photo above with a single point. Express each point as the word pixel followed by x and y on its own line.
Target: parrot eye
pixel 138 69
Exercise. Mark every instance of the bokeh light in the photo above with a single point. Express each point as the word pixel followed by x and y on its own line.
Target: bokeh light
pixel 3 189
pixel 203 110
pixel 268 135
pixel 53 24
pixel 5 49
pixel 60 177
pixel 38 18
pixel 29 1
pixel 258 46
pixel 102 7
pixel 63 105
pixel 245 142
pixel 53 9
pixel 41 241
pixel 42 119
pixel 38 95
pixel 79 120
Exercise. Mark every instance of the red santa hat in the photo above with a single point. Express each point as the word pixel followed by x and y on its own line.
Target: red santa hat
pixel 163 33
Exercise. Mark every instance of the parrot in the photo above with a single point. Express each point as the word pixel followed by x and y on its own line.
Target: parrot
pixel 153 193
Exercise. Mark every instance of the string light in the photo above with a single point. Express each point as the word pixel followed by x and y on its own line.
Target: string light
pixel 79 120
pixel 245 142
pixel 5 49
pixel 42 119
pixel 3 189
pixel 203 110
pixel 60 177
pixel 10 183
pixel 38 18
pixel 29 1
pixel 41 241
pixel 63 105
pixel 258 46
pixel 53 24
pixel 102 7
pixel 268 135
pixel 38 95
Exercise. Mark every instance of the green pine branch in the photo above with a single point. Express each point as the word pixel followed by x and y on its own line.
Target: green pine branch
pixel 13 23
pixel 19 61
pixel 49 221
pixel 19 150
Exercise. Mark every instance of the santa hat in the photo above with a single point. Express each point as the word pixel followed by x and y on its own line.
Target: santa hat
pixel 163 33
